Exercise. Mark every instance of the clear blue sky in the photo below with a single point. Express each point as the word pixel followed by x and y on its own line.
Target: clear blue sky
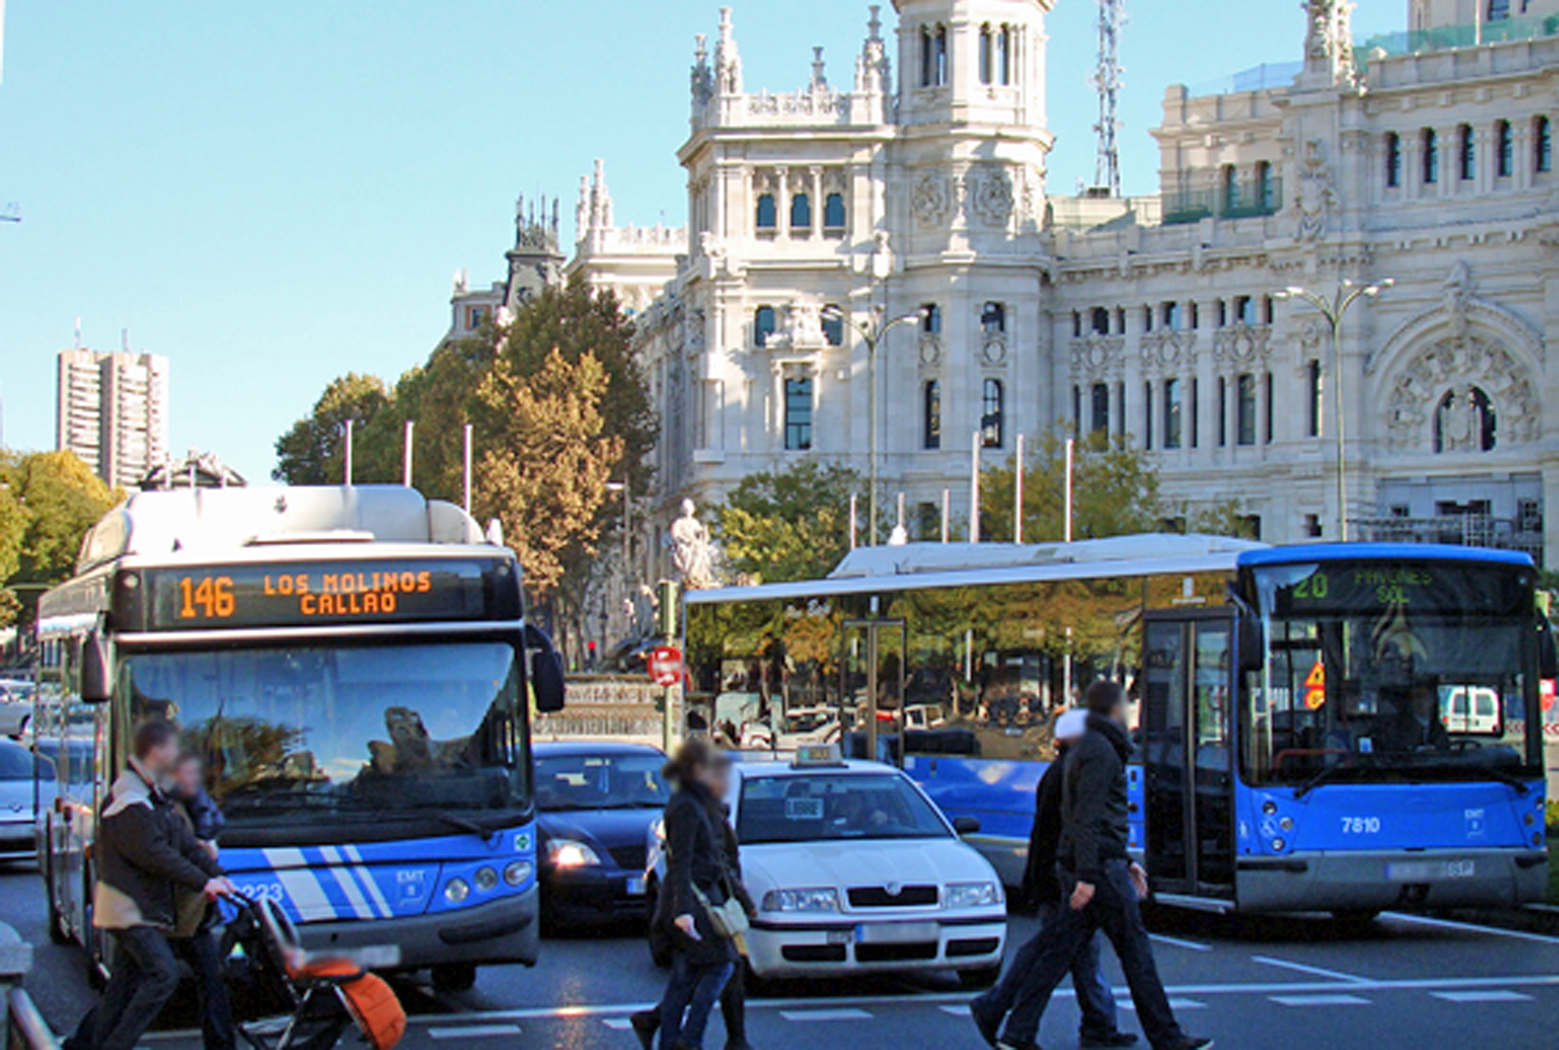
pixel 274 193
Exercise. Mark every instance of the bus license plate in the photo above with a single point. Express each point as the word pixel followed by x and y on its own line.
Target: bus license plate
pixel 636 886
pixel 1431 870
pixel 895 932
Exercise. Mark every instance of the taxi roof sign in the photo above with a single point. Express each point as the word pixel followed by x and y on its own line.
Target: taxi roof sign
pixel 817 756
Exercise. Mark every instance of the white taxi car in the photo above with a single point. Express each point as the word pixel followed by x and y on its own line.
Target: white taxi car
pixel 854 869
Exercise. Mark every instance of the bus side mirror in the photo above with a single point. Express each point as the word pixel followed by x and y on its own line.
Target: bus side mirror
pixel 97 680
pixel 1252 647
pixel 966 826
pixel 546 670
pixel 1547 651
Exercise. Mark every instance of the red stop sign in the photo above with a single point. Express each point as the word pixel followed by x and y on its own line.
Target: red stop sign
pixel 666 665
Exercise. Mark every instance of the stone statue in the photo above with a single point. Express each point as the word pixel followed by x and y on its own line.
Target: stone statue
pixel 1316 196
pixel 691 552
pixel 803 328
pixel 1460 422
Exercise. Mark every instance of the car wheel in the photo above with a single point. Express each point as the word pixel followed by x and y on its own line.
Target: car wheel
pixel 454 977
pixel 983 977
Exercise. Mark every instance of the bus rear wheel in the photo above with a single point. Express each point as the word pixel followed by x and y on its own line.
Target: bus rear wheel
pixel 454 977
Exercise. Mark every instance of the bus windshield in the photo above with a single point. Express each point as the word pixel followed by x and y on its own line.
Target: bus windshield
pixel 322 735
pixel 1390 672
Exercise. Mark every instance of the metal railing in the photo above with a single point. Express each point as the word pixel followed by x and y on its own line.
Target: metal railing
pixel 1456 530
pixel 25 1026
pixel 1413 41
pixel 1244 200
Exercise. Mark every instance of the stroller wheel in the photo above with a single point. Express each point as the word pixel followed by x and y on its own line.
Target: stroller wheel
pixel 454 977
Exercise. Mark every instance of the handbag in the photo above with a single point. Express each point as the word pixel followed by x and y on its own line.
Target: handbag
pixel 729 919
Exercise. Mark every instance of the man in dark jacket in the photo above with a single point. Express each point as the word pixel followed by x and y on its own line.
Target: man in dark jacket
pixel 194 938
pixel 1102 885
pixel 144 852
pixel 1041 886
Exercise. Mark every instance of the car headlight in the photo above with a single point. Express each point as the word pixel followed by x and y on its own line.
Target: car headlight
pixel 819 899
pixel 971 895
pixel 567 853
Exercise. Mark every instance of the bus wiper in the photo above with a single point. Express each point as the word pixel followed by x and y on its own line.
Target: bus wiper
pixel 1314 782
pixel 1522 787
pixel 464 824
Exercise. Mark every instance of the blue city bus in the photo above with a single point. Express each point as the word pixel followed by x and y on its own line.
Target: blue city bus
pixel 354 668
pixel 1343 728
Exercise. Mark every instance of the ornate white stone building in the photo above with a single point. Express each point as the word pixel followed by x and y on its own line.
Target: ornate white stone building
pixel 917 183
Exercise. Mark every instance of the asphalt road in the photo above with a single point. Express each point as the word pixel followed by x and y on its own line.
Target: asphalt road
pixel 1272 984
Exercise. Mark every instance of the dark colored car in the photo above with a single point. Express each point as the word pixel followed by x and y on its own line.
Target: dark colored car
pixel 596 803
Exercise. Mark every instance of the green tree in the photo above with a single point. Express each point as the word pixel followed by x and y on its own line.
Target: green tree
pixel 791 524
pixel 311 452
pixel 1115 491
pixel 13 527
pixel 58 499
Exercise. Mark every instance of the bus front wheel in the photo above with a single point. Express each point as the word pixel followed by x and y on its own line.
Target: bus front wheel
pixel 454 977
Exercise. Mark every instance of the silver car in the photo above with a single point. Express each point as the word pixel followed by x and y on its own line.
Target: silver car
pixel 17 815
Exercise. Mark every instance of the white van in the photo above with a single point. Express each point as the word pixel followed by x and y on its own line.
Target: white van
pixel 1470 709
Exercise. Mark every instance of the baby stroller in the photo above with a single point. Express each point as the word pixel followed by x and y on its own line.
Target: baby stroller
pixel 317 1000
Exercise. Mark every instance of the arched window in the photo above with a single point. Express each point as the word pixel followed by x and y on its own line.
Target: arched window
pixel 1393 160
pixel 1101 321
pixel 1004 56
pixel 833 211
pixel 993 318
pixel 941 56
pixel 1231 188
pixel 833 324
pixel 1467 153
pixel 763 325
pixel 1504 150
pixel 1264 186
pixel 992 403
pixel 1464 421
pixel 987 55
pixel 768 212
pixel 801 212
pixel 1100 423
pixel 798 415
pixel 1499 10
pixel 1543 145
pixel 931 319
pixel 1431 143
pixel 931 416
pixel 927 58
pixel 1174 407
pixel 1245 409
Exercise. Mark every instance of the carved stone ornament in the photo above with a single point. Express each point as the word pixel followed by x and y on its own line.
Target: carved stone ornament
pixel 1315 196
pixel 1167 349
pixel 1441 380
pixel 992 199
pixel 1098 355
pixel 930 350
pixel 993 352
pixel 1241 344
pixel 930 200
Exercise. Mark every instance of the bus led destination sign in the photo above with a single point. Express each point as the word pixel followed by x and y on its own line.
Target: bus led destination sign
pixel 321 593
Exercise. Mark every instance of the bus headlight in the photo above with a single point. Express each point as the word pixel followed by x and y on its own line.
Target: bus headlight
pixel 486 879
pixel 1277 845
pixel 518 872
pixel 1269 807
pixel 456 890
pixel 566 853
pixel 1286 823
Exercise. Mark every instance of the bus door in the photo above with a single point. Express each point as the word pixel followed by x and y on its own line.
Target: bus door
pixel 872 688
pixel 1188 738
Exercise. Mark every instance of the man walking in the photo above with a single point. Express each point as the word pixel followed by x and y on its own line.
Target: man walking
pixel 1040 885
pixel 144 851
pixel 1102 885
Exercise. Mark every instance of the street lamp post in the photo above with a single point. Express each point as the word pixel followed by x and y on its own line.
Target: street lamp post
pixel 1334 309
pixel 872 331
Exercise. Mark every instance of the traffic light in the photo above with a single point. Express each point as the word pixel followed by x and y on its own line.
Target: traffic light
pixel 666 609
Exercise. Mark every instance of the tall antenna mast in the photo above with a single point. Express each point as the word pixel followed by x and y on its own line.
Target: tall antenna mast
pixel 1107 79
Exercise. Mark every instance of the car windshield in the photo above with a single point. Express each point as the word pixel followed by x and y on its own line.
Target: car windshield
pixel 322 735
pixel 16 762
pixel 1390 672
pixel 600 781
pixel 825 807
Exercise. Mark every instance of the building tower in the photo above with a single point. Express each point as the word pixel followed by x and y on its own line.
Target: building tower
pixel 112 412
pixel 1107 79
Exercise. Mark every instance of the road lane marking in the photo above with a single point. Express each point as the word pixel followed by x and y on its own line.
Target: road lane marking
pixel 957 1010
pixel 1492 996
pixel 1318 1000
pixel 1174 1004
pixel 617 1024
pixel 473 1031
pixel 1178 943
pixel 1314 971
pixel 806 1016
pixel 1468 927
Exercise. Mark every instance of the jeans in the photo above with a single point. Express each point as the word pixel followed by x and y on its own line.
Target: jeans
pixel 1114 909
pixel 1094 997
pixel 203 953
pixel 690 998
pixel 145 976
pixel 733 1010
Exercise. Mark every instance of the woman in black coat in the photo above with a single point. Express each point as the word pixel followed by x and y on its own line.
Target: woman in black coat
pixel 697 875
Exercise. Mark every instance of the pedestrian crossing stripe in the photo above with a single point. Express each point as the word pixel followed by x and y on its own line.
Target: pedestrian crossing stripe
pixel 1491 996
pixel 849 1014
pixel 1319 1000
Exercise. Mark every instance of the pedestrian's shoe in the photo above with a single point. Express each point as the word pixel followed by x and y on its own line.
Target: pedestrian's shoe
pixel 645 1024
pixel 1191 1042
pixel 986 1018
pixel 1104 1040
